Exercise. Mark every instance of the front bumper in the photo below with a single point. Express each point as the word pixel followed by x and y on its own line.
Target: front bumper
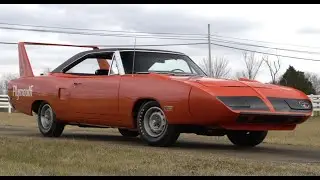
pixel 265 121
pixel 270 118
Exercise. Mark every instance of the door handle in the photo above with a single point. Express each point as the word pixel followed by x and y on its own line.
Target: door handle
pixel 76 83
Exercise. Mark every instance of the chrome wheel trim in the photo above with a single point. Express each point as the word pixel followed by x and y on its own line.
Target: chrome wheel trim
pixel 155 122
pixel 46 117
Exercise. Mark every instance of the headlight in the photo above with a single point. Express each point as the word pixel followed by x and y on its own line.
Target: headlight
pixel 243 102
pixel 299 104
pixel 283 104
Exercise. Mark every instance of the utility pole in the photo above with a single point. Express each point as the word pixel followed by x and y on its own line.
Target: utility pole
pixel 209 46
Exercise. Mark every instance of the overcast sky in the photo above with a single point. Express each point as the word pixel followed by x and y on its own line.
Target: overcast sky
pixel 288 24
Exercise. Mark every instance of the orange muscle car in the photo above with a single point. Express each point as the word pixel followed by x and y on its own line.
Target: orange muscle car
pixel 153 94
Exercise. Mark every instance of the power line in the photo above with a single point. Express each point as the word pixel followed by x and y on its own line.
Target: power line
pixel 181 44
pixel 100 30
pixel 242 49
pixel 269 42
pixel 155 33
pixel 98 34
pixel 123 35
pixel 268 47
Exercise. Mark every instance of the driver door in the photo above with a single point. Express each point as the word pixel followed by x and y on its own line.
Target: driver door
pixel 94 98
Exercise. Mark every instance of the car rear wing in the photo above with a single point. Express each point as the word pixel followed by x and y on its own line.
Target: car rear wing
pixel 25 69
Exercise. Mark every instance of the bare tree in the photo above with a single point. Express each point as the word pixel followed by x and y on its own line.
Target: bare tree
pixel 239 74
pixel 274 68
pixel 315 80
pixel 252 65
pixel 205 66
pixel 219 68
pixel 5 78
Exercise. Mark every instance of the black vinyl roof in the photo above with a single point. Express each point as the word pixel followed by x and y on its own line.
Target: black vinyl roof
pixel 129 49
pixel 84 53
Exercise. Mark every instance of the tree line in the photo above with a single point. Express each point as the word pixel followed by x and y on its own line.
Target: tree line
pixel 307 82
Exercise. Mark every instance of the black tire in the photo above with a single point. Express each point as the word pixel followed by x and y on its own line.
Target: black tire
pixel 167 137
pixel 128 133
pixel 247 138
pixel 55 128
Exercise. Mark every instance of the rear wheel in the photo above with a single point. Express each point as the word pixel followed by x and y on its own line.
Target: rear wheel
pixel 247 138
pixel 47 122
pixel 128 133
pixel 153 126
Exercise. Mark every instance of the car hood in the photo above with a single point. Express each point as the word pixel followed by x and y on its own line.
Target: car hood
pixel 241 87
pixel 212 82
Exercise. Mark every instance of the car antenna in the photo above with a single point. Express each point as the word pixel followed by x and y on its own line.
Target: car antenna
pixel 134 53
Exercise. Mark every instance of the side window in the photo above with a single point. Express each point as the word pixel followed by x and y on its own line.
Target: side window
pixel 87 66
pixel 114 67
pixel 97 64
pixel 171 64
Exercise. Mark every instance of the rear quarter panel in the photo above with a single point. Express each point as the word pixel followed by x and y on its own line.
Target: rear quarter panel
pixel 45 88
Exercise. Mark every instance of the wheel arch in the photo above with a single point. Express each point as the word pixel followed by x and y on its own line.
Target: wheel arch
pixel 137 105
pixel 36 104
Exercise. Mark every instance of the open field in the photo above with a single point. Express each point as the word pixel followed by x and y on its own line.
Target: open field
pixel 88 151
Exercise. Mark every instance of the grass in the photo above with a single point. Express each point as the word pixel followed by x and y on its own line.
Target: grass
pixel 41 156
pixel 35 155
pixel 306 134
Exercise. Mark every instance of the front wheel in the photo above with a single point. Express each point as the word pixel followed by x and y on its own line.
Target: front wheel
pixel 47 122
pixel 247 138
pixel 153 126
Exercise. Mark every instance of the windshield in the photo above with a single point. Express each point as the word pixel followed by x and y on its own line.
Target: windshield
pixel 175 64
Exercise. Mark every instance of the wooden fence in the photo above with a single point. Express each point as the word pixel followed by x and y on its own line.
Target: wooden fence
pixel 4 103
pixel 315 99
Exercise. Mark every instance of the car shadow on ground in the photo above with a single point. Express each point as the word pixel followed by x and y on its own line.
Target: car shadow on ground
pixel 296 153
